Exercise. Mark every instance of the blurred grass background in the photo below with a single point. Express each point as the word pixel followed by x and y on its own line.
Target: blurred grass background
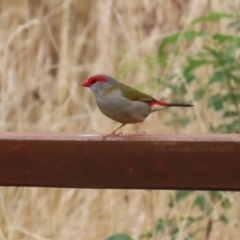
pixel 47 49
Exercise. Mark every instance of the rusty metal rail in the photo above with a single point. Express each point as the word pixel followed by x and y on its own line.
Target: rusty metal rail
pixel 149 162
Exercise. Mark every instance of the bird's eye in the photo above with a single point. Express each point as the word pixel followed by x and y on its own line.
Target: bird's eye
pixel 94 81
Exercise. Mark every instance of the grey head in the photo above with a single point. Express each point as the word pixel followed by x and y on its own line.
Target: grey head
pixel 99 83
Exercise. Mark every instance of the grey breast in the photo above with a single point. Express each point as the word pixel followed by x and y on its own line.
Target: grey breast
pixel 122 110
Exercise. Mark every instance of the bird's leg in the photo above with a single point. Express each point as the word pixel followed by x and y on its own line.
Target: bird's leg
pixel 139 125
pixel 114 132
pixel 137 132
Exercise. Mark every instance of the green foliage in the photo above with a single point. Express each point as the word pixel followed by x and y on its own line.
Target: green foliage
pixel 225 77
pixel 204 202
pixel 212 16
pixel 119 236
pixel 218 55
pixel 235 20
pixel 221 91
pixel 171 44
pixel 181 195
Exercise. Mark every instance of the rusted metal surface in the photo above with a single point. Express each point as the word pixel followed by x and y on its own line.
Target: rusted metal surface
pixel 148 162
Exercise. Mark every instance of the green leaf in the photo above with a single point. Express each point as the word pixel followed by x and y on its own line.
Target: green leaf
pixel 218 77
pixel 216 195
pixel 174 232
pixel 223 219
pixel 176 89
pixel 221 38
pixel 221 58
pixel 192 65
pixel 216 102
pixel 199 202
pixel 152 62
pixel 202 204
pixel 230 75
pixel 196 63
pixel 160 226
pixel 173 39
pixel 226 203
pixel 119 236
pixel 191 220
pixel 211 16
pixel 200 93
pixel 147 235
pixel 233 98
pixel 234 24
pixel 170 39
pixel 190 34
pixel 212 51
pixel 233 127
pixel 189 77
pixel 182 194
pixel 185 121
pixel 164 224
pixel 228 114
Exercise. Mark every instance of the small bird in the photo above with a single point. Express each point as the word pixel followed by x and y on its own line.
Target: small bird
pixel 123 103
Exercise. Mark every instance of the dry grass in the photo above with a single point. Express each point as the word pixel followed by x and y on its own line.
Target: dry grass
pixel 47 49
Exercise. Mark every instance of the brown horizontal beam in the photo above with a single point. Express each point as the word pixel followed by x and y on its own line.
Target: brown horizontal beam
pixel 148 162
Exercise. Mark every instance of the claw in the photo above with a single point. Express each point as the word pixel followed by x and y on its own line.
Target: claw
pixel 114 132
pixel 113 135
pixel 127 135
pixel 136 134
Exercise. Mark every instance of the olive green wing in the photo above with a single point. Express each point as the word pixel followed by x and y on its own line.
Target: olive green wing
pixel 130 93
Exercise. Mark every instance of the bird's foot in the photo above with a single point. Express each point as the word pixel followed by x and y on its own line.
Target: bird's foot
pixel 136 134
pixel 141 134
pixel 113 134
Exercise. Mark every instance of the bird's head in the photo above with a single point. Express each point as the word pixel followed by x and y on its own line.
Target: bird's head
pixel 99 83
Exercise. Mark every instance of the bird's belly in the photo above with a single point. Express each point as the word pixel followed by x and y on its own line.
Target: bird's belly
pixel 123 110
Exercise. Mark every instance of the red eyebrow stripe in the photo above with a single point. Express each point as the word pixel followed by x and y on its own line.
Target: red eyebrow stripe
pixel 98 78
pixel 164 104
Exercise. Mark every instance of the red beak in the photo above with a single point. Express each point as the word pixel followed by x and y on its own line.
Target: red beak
pixel 85 84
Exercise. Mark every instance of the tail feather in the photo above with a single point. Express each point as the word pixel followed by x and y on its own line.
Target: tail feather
pixel 157 105
pixel 179 105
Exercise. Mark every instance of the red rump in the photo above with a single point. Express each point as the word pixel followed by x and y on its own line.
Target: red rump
pixel 164 104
